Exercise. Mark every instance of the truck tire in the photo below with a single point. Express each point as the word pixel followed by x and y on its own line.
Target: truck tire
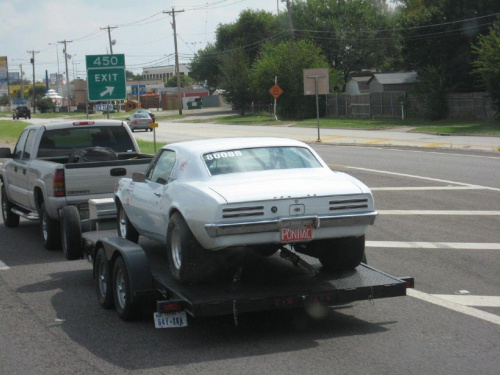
pixel 10 219
pixel 51 231
pixel 121 291
pixel 189 262
pixel 125 228
pixel 71 236
pixel 341 254
pixel 102 275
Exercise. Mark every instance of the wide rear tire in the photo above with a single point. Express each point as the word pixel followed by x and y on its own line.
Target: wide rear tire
pixel 340 254
pixel 51 231
pixel 71 229
pixel 125 228
pixel 10 219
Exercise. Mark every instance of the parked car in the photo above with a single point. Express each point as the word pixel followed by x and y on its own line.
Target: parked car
pixel 21 111
pixel 210 197
pixel 140 121
pixel 147 111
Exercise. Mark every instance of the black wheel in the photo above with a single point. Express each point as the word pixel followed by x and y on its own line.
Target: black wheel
pixel 189 262
pixel 10 219
pixel 102 274
pixel 340 254
pixel 13 117
pixel 121 290
pixel 125 228
pixel 71 229
pixel 51 231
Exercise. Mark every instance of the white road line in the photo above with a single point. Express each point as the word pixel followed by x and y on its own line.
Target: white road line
pixel 482 301
pixel 416 188
pixel 492 318
pixel 3 266
pixel 439 212
pixel 434 245
pixel 422 178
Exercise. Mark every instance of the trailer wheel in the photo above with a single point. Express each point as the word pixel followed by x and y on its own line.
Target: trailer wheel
pixel 189 262
pixel 341 254
pixel 10 219
pixel 103 280
pixel 71 233
pixel 51 231
pixel 125 228
pixel 121 290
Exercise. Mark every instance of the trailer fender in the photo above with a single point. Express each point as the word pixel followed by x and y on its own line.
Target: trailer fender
pixel 139 270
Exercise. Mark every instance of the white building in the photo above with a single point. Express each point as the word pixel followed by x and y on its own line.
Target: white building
pixel 163 73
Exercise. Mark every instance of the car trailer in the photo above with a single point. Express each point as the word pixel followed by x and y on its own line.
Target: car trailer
pixel 128 275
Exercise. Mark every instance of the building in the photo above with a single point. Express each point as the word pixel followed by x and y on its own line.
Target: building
pixel 386 82
pixel 357 85
pixel 163 73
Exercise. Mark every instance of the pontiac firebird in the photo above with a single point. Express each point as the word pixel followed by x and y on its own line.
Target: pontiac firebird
pixel 207 197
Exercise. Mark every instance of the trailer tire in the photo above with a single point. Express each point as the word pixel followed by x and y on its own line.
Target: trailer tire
pixel 121 291
pixel 51 231
pixel 71 236
pixel 103 283
pixel 10 219
pixel 341 254
pixel 125 228
pixel 189 262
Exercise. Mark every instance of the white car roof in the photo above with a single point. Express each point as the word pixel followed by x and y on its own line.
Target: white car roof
pixel 219 144
pixel 65 124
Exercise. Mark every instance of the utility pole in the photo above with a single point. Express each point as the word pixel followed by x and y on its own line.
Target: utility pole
pixel 33 62
pixel 290 26
pixel 109 36
pixel 66 60
pixel 177 72
pixel 22 83
pixel 57 78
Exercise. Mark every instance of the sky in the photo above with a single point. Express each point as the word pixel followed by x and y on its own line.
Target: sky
pixel 141 29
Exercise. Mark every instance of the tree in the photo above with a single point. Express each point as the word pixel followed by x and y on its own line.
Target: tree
pixel 277 60
pixel 45 105
pixel 432 88
pixel 204 66
pixel 353 35
pixel 132 76
pixel 5 100
pixel 487 64
pixel 441 33
pixel 185 81
pixel 235 78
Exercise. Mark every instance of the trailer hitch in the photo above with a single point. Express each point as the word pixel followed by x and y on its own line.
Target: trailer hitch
pixel 297 261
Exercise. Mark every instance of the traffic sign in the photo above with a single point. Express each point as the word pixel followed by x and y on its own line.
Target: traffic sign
pixel 142 89
pixel 276 91
pixel 106 77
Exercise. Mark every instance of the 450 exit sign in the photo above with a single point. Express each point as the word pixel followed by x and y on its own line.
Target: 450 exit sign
pixel 106 77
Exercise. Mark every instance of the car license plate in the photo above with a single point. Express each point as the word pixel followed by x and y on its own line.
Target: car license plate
pixel 170 320
pixel 296 233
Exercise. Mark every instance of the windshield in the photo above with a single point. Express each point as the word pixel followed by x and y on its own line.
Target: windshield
pixel 59 142
pixel 259 159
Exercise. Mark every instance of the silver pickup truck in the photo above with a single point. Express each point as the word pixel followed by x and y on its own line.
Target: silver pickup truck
pixel 56 168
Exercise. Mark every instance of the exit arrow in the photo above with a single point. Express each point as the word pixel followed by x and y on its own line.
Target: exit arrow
pixel 109 90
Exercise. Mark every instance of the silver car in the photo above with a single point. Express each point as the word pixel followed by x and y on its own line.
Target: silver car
pixel 140 121
pixel 211 197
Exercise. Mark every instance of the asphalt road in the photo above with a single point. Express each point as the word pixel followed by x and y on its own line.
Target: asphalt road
pixel 439 222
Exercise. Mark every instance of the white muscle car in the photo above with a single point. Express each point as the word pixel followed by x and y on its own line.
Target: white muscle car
pixel 201 197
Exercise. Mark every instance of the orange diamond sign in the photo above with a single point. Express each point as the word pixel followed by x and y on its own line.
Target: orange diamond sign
pixel 276 91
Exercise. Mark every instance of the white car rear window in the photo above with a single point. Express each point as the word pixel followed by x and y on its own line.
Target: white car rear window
pixel 259 159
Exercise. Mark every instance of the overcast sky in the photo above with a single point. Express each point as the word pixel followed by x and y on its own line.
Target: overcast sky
pixel 143 32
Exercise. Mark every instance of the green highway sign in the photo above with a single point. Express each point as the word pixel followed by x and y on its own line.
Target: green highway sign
pixel 106 77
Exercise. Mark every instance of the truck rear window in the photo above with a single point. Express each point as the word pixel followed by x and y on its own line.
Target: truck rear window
pixel 62 142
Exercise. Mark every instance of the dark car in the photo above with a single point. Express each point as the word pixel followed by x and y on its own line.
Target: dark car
pixel 21 111
pixel 147 111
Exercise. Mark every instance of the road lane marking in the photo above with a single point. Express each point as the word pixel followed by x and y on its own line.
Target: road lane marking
pixel 3 266
pixel 439 212
pixel 478 301
pixel 376 141
pixel 492 318
pixel 330 138
pixel 434 245
pixel 431 145
pixel 417 188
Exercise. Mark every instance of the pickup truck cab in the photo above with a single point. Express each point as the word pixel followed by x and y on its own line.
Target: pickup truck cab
pixel 56 168
pixel 21 111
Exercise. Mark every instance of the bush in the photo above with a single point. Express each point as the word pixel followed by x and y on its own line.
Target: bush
pixel 45 105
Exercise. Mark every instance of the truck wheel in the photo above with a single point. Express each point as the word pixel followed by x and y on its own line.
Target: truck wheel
pixel 341 254
pixel 51 232
pixel 189 262
pixel 10 219
pixel 102 272
pixel 71 233
pixel 121 290
pixel 125 228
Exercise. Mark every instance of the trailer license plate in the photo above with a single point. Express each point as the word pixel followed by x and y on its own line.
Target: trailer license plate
pixel 296 233
pixel 170 320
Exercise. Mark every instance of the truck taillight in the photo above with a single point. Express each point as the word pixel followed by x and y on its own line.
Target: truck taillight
pixel 150 120
pixel 59 188
pixel 79 123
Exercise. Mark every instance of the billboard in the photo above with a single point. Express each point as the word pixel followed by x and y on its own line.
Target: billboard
pixel 4 70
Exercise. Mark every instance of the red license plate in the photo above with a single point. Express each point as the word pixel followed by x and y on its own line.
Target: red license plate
pixel 296 234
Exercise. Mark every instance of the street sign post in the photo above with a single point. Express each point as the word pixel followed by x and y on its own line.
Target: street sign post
pixel 106 77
